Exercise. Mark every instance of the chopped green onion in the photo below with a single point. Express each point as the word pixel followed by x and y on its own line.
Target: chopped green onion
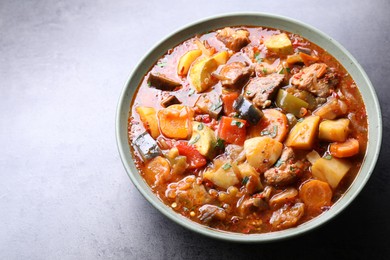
pixel 264 70
pixel 248 92
pixel 226 166
pixel 288 70
pixel 245 180
pixel 200 126
pixel 281 71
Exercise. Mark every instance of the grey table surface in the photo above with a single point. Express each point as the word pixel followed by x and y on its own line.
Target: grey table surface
pixel 64 193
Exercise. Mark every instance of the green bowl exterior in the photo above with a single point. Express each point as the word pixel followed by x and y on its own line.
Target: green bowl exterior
pixel 266 20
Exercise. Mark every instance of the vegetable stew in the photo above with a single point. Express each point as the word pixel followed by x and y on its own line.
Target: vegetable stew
pixel 248 129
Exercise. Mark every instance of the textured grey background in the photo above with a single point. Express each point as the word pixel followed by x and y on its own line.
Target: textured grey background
pixel 63 191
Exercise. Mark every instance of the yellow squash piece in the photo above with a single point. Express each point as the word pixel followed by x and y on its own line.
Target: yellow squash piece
pixel 148 117
pixel 262 152
pixel 331 170
pixel 280 44
pixel 204 139
pixel 200 73
pixel 303 134
pixel 186 60
pixel 221 57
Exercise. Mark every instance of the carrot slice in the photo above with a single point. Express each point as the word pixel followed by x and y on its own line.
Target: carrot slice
pixel 175 121
pixel 316 194
pixel 308 59
pixel 228 100
pixel 232 130
pixel 346 149
pixel 274 124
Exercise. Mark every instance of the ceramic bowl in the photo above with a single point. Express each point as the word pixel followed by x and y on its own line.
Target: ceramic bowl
pixel 253 19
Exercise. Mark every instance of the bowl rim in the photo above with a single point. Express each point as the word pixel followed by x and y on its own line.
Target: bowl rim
pixel 369 161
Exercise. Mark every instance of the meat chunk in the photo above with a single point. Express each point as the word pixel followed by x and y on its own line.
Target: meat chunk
pixel 317 79
pixel 233 39
pixel 286 196
pixel 285 170
pixel 261 90
pixel 235 74
pixel 252 205
pixel 210 103
pixel 170 100
pixel 160 81
pixel 287 216
pixel 188 192
pixel 325 84
pixel 209 213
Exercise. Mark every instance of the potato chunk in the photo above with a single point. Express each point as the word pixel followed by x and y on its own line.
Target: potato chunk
pixel 224 177
pixel 334 130
pixel 148 117
pixel 303 133
pixel 186 60
pixel 204 139
pixel 262 152
pixel 280 44
pixel 330 170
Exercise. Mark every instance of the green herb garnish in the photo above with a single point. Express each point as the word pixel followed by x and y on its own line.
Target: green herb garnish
pixel 191 92
pixel 162 64
pixel 288 70
pixel 328 157
pixel 220 143
pixel 257 57
pixel 278 163
pixel 264 70
pixel 196 138
pixel 248 92
pixel 264 132
pixel 281 71
pixel 237 123
pixel 215 107
pixel 274 132
pixel 226 166
pixel 200 126
pixel 245 180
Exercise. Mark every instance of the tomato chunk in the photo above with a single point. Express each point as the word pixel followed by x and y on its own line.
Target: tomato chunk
pixel 228 100
pixel 194 158
pixel 232 130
